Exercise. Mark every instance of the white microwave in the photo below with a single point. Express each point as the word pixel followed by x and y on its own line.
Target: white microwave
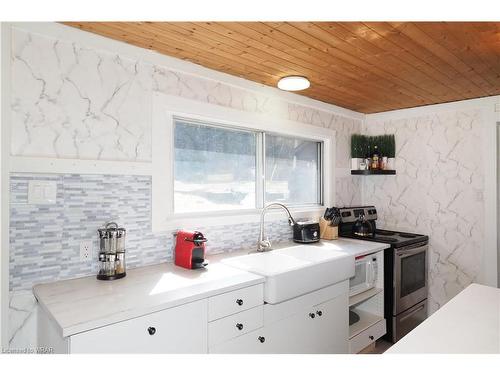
pixel 365 274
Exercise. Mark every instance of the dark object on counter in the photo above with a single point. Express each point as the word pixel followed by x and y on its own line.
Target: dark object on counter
pixel 190 249
pixel 363 227
pixel 111 252
pixel 405 271
pixel 332 215
pixel 305 232
pixel 353 317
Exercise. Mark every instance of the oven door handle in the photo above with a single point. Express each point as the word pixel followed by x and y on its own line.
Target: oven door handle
pixel 411 313
pixel 407 253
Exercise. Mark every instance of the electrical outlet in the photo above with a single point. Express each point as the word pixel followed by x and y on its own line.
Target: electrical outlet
pixel 85 251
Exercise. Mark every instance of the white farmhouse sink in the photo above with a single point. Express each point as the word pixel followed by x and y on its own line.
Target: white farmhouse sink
pixel 296 270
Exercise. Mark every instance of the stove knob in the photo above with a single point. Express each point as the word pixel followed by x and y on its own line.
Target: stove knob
pixel 315 234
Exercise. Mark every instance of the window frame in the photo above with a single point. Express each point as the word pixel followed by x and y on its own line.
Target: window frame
pixel 166 108
pixel 260 162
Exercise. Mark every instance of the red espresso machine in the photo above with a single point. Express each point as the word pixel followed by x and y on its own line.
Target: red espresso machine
pixel 190 249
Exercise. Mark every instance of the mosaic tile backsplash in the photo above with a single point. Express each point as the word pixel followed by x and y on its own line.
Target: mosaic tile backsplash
pixel 45 239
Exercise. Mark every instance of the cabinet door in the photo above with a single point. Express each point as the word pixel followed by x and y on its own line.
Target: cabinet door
pixel 181 329
pixel 331 328
pixel 294 334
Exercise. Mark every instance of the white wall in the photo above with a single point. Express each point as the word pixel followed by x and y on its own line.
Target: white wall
pixel 81 103
pixel 445 187
pixel 1 202
pixel 498 198
pixel 4 190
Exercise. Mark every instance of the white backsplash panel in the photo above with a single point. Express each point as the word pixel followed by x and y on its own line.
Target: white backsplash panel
pixel 438 191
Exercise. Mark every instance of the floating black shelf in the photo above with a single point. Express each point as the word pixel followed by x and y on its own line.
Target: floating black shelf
pixel 366 172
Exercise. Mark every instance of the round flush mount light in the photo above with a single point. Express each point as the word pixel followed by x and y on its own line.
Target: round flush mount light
pixel 293 83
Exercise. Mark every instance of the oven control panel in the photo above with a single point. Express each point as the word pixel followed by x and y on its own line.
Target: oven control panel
pixel 351 214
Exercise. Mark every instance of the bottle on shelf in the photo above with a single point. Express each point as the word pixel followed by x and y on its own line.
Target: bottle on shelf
pixel 375 158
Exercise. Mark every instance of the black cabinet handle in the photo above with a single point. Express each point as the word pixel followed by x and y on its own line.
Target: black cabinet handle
pixel 371 337
pixel 239 326
pixel 262 339
pixel 152 330
pixel 319 312
pixel 312 315
pixel 239 302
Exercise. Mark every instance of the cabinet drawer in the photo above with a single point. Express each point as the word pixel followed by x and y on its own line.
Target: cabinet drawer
pixel 366 337
pixel 235 301
pixel 254 342
pixel 181 329
pixel 235 325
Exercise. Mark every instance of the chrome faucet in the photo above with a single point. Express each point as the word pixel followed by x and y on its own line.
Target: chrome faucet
pixel 265 244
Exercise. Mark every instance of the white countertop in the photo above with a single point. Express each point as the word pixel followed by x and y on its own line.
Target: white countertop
pixel 469 323
pixel 86 303
pixel 355 247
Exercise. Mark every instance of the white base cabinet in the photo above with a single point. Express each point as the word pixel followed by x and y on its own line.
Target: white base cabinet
pixel 233 322
pixel 181 329
pixel 321 328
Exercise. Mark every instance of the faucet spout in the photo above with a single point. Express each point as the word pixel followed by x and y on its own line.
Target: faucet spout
pixel 264 244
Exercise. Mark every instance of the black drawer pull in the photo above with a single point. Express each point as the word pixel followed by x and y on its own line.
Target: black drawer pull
pixel 239 326
pixel 319 312
pixel 239 302
pixel 371 337
pixel 312 315
pixel 152 330
pixel 262 339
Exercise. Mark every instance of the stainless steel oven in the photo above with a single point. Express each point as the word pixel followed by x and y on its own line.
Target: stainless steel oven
pixel 410 276
pixel 405 270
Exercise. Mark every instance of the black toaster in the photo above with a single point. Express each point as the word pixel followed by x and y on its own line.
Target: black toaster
pixel 306 232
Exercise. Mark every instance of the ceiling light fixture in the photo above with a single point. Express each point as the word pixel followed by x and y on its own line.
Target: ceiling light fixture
pixel 293 83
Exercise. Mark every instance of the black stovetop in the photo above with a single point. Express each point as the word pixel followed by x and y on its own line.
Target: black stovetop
pixel 393 238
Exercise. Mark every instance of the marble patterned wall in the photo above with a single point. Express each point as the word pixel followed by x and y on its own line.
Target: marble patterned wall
pixel 438 190
pixel 69 101
pixel 75 102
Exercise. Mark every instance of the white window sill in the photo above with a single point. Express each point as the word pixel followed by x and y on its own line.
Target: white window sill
pixel 208 219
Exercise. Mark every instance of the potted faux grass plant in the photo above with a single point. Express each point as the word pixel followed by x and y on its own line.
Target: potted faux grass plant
pixel 357 150
pixel 390 151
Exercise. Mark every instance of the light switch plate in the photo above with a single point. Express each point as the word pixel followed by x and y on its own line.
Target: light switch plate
pixel 42 192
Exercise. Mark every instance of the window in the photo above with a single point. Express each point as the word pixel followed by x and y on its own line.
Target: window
pixel 218 168
pixel 292 170
pixel 214 168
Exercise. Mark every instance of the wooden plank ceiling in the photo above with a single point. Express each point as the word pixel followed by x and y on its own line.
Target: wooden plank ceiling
pixel 364 66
